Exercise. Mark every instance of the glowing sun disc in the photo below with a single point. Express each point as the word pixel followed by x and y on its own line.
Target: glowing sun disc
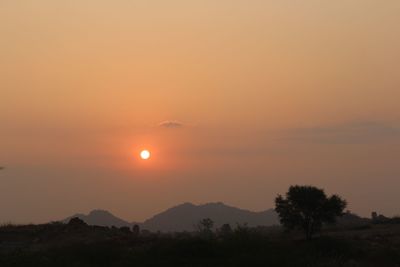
pixel 145 154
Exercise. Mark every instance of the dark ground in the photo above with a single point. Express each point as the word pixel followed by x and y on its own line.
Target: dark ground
pixel 79 245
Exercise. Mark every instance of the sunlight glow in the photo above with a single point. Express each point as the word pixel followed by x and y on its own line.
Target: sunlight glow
pixel 145 154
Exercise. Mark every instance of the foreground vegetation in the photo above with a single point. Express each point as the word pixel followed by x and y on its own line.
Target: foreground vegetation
pixel 77 244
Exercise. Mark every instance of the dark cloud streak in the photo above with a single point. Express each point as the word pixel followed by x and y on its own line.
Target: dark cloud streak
pixel 171 124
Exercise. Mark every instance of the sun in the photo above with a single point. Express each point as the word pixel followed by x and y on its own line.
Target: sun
pixel 145 154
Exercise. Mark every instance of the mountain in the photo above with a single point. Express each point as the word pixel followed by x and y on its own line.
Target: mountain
pixel 101 218
pixel 184 217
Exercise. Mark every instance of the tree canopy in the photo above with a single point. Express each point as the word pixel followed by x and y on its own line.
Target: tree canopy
pixel 307 208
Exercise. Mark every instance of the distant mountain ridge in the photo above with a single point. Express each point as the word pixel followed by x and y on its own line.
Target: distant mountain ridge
pixel 101 218
pixel 185 217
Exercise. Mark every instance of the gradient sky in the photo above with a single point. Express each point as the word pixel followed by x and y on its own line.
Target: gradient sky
pixel 236 100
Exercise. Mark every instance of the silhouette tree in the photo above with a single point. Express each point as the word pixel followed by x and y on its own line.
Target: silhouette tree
pixel 225 230
pixel 307 208
pixel 136 230
pixel 125 229
pixel 77 222
pixel 205 227
pixel 242 231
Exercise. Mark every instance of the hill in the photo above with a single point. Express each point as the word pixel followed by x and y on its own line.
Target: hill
pixel 100 218
pixel 184 217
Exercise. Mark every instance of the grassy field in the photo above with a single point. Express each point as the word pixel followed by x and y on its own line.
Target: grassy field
pixel 66 245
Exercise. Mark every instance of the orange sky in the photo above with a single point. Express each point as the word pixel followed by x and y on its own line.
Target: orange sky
pixel 267 94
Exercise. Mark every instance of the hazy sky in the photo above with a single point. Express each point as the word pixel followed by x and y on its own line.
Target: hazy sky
pixel 262 94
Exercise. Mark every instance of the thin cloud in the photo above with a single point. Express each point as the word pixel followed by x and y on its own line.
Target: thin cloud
pixel 171 124
pixel 350 133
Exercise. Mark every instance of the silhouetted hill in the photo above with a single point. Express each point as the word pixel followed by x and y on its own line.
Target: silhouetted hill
pixel 101 218
pixel 184 217
pixel 351 218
